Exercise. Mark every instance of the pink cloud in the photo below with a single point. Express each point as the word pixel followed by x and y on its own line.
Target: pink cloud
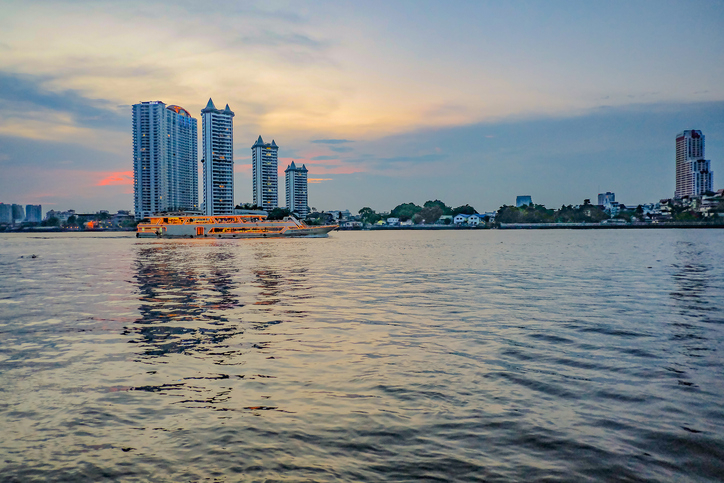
pixel 317 180
pixel 242 168
pixel 116 178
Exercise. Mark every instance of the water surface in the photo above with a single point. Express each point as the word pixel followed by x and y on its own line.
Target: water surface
pixel 366 356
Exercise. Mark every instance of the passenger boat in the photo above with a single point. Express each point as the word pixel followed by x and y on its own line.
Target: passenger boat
pixel 227 226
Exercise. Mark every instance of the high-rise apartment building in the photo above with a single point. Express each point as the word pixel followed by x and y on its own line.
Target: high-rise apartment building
pixel 297 201
pixel 18 213
pixel 606 198
pixel 218 134
pixel 6 213
pixel 265 175
pixel 33 213
pixel 165 159
pixel 694 176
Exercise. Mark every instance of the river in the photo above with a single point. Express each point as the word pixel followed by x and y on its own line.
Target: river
pixel 489 355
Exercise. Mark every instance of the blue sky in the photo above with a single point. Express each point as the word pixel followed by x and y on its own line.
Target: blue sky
pixel 385 102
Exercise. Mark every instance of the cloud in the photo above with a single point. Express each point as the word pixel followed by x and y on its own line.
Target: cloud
pixel 318 180
pixel 274 39
pixel 341 149
pixel 322 158
pixel 117 178
pixel 25 95
pixel 332 141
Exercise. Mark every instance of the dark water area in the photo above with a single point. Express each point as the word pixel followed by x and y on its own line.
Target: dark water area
pixel 366 356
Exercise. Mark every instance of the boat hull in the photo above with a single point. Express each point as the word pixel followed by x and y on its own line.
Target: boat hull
pixel 228 227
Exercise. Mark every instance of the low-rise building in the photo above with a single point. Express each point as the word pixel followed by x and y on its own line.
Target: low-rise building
pixel 393 221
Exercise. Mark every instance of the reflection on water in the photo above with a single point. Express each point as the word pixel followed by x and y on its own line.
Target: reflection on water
pixel 401 356
pixel 187 304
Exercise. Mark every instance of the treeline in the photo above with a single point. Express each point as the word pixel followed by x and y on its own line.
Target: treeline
pixel 585 213
pixel 428 213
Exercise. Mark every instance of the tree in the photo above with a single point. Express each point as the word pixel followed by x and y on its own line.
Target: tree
pixel 368 215
pixel 430 214
pixel 464 209
pixel 405 211
pixel 52 221
pixel 446 210
pixel 72 220
pixel 278 214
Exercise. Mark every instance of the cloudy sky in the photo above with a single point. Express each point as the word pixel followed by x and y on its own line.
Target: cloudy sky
pixel 384 101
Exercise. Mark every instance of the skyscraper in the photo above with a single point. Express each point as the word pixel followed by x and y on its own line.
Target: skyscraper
pixel 33 213
pixel 165 159
pixel 6 213
pixel 297 201
pixel 218 132
pixel 606 198
pixel 693 173
pixel 264 171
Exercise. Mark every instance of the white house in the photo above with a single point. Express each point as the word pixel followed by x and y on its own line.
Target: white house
pixel 406 223
pixel 393 221
pixel 475 219
pixel 460 218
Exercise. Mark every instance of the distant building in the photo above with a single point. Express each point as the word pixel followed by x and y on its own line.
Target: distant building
pixel 392 221
pixel 264 174
pixel 297 201
pixel 18 213
pixel 33 213
pixel 165 154
pixel 61 215
pixel 694 176
pixel 340 214
pixel 606 198
pixel 460 218
pixel 6 213
pixel 218 159
pixel 523 200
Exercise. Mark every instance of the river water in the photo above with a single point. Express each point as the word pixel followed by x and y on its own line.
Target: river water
pixel 366 356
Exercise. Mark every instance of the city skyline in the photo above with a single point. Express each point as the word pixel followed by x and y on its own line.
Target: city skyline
pixel 438 101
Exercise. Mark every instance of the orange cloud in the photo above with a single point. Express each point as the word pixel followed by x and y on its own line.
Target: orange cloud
pixel 317 180
pixel 117 178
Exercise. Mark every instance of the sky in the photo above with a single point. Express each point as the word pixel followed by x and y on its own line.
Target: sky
pixel 385 102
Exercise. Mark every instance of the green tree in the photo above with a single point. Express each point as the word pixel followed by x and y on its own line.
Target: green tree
pixel 52 221
pixel 368 215
pixel 446 210
pixel 464 209
pixel 278 214
pixel 430 214
pixel 405 211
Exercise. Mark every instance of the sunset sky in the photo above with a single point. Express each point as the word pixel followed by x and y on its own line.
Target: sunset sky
pixel 385 102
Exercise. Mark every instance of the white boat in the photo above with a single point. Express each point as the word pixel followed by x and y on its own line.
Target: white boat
pixel 227 226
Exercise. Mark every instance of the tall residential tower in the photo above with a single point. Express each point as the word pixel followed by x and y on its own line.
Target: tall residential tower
pixel 297 201
pixel 264 171
pixel 165 169
pixel 218 133
pixel 693 173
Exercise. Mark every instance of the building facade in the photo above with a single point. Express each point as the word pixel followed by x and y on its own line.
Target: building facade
pixel 694 176
pixel 264 173
pixel 218 159
pixel 165 154
pixel 606 198
pixel 297 200
pixel 523 200
pixel 33 213
pixel 6 213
